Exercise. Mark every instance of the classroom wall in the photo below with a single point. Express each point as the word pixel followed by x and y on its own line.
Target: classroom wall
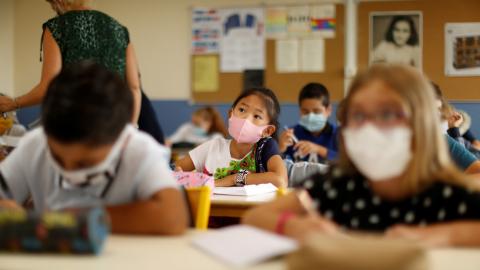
pixel 160 32
pixel 29 15
pixel 6 46
pixel 435 13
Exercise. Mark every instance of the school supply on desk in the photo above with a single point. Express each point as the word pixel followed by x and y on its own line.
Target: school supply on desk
pixel 359 252
pixel 194 179
pixel 243 245
pixel 199 204
pixel 78 232
pixel 247 190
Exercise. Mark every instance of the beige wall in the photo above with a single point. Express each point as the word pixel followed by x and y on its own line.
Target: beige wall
pixel 159 29
pixel 29 16
pixel 6 46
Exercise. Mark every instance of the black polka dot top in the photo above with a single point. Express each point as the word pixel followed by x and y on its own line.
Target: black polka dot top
pixel 349 201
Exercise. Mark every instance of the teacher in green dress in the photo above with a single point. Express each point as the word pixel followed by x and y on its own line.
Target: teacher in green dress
pixel 80 33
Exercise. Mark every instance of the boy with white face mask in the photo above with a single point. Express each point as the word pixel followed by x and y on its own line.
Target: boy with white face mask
pixel 86 154
pixel 314 138
pixel 394 175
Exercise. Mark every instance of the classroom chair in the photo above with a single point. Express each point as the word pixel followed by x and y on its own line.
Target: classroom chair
pixel 198 199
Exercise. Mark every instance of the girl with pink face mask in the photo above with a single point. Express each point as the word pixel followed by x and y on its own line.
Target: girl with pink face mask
pixel 252 155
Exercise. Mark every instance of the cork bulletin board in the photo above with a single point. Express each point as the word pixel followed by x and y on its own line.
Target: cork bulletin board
pixel 435 13
pixel 288 85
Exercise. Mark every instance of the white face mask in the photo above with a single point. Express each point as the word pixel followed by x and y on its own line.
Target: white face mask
pixel 95 174
pixel 379 154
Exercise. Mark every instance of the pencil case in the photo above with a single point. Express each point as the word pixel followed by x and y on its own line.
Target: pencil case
pixel 74 232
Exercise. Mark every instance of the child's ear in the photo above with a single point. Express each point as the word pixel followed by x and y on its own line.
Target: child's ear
pixel 268 131
pixel 329 110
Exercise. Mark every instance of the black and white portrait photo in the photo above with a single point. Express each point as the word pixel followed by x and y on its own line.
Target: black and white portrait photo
pixel 396 37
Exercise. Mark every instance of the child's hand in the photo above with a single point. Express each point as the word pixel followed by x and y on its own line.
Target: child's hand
pixel 455 120
pixel 226 181
pixel 300 227
pixel 306 147
pixel 178 169
pixel 430 236
pixel 285 140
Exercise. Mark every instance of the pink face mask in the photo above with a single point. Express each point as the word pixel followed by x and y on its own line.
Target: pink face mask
pixel 244 131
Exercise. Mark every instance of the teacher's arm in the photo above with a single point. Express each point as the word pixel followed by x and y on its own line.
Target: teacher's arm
pixel 133 81
pixel 52 64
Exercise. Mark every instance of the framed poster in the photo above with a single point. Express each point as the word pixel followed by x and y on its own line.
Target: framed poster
pixel 396 37
pixel 462 49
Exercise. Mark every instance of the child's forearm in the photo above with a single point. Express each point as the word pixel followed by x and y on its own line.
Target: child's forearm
pixel 165 213
pixel 254 179
pixel 464 233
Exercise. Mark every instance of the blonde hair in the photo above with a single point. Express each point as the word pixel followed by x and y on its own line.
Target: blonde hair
pixel 430 156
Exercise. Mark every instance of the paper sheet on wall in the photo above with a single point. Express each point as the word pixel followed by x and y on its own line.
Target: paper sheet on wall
pixel 205 73
pixel 206 30
pixel 322 18
pixel 312 55
pixel 286 56
pixel 243 245
pixel 276 22
pixel 242 44
pixel 298 21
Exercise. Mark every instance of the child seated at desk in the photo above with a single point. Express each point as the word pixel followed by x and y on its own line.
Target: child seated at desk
pixel 252 156
pixel 394 173
pixel 313 139
pixel 86 154
pixel 206 124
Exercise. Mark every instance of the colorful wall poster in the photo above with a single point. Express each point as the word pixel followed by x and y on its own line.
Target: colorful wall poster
pixel 206 31
pixel 322 21
pixel 276 22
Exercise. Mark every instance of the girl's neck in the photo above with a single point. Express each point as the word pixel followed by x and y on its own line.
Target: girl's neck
pixel 390 189
pixel 239 150
pixel 78 8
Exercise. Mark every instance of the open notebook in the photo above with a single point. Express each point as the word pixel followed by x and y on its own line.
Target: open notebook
pixel 243 245
pixel 247 190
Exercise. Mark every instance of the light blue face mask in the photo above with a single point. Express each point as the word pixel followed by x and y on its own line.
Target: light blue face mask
pixel 313 122
pixel 198 131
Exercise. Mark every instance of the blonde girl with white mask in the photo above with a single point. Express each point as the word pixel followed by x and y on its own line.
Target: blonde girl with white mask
pixel 394 175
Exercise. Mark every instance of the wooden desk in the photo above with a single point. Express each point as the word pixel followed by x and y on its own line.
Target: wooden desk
pixel 150 252
pixel 236 206
pixel 130 252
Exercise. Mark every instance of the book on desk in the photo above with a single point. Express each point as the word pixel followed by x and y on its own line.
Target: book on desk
pixel 247 190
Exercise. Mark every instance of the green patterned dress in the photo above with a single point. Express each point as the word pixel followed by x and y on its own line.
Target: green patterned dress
pixel 90 35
